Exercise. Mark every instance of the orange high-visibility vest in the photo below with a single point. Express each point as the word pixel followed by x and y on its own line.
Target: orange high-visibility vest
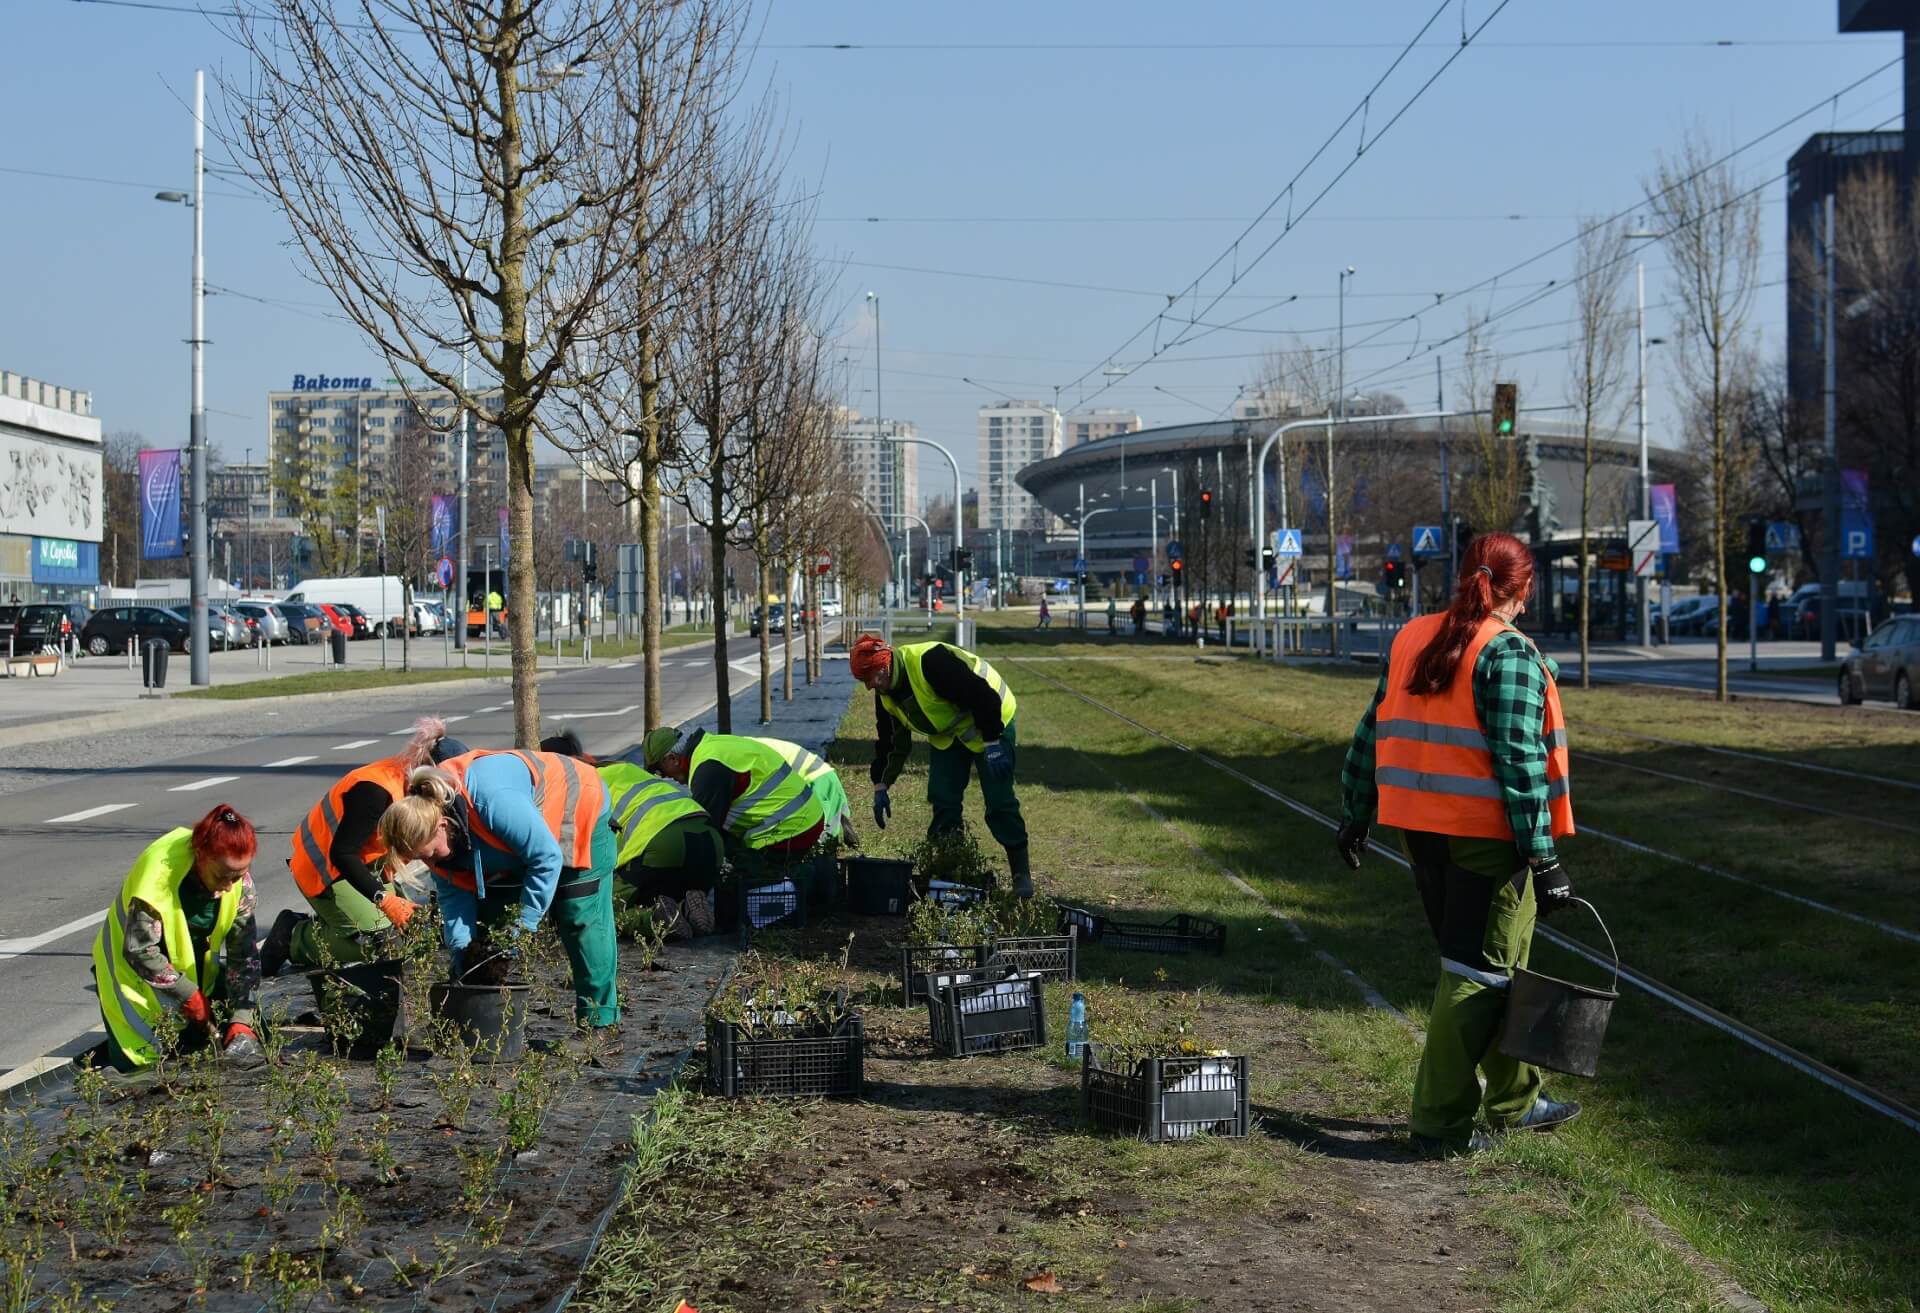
pixel 1430 757
pixel 568 793
pixel 313 840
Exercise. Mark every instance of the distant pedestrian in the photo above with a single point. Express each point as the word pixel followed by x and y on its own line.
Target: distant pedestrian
pixel 1046 614
pixel 1139 614
pixel 1113 612
pixel 1169 620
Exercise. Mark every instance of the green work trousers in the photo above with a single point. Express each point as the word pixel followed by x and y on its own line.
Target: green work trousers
pixel 333 935
pixel 582 916
pixel 688 854
pixel 1479 901
pixel 947 773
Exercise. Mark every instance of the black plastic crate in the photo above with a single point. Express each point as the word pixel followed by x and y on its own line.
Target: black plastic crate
pixel 1080 919
pixel 825 881
pixel 993 1012
pixel 917 960
pixel 948 894
pixel 878 886
pixel 1183 934
pixel 793 1065
pixel 1055 957
pixel 1164 1099
pixel 781 906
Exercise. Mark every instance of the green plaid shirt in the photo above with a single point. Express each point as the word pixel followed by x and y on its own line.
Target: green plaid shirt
pixel 1510 699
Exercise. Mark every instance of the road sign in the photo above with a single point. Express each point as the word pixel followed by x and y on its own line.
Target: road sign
pixel 1174 550
pixel 1916 544
pixel 1643 546
pixel 1284 574
pixel 1427 540
pixel 1783 536
pixel 1140 565
pixel 1140 577
pixel 1286 542
pixel 1079 565
pixel 823 563
pixel 443 571
pixel 1393 551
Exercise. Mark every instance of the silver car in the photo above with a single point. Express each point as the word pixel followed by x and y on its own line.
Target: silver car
pixel 1886 664
pixel 225 628
pixel 269 625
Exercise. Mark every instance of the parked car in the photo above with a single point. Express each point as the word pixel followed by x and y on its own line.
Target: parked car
pixel 1694 615
pixel 1852 622
pixel 831 607
pixel 428 618
pixel 362 622
pixel 110 629
pixel 270 625
pixel 47 624
pixel 336 617
pixel 306 623
pixel 1885 665
pixel 774 617
pixel 370 594
pixel 227 629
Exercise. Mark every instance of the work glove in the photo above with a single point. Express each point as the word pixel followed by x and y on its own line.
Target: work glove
pixel 397 910
pixel 882 807
pixel 1351 840
pixel 998 759
pixel 196 1012
pixel 1552 887
pixel 242 1046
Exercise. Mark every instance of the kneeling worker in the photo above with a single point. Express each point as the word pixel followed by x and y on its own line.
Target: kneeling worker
pixel 826 786
pixel 187 901
pixel 748 791
pixel 337 859
pixel 966 711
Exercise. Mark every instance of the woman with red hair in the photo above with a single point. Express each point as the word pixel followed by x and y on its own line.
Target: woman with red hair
pixel 1465 750
pixel 179 939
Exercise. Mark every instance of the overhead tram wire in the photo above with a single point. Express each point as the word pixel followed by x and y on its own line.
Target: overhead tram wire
pixel 1286 192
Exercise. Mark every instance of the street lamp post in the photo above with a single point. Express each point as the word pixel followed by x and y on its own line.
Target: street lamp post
pixel 959 575
pixel 1086 515
pixel 198 671
pixel 1640 351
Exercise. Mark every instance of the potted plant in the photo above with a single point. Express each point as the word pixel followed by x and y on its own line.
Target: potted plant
pixel 783 1029
pixel 1155 1073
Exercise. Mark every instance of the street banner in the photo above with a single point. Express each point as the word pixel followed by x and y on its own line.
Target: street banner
pixel 503 537
pixel 443 512
pixel 1643 546
pixel 160 505
pixel 1856 518
pixel 1666 513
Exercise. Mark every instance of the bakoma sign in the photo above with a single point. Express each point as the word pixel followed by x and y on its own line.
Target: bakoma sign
pixel 330 383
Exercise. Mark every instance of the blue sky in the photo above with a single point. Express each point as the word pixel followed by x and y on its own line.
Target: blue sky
pixel 1118 145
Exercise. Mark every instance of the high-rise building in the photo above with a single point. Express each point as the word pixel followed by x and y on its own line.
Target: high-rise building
pixel 51 501
pixel 1100 422
pixel 1012 436
pixel 886 474
pixel 1265 403
pixel 325 425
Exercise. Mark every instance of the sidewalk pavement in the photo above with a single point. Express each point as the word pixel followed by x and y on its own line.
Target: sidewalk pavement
pixel 811 719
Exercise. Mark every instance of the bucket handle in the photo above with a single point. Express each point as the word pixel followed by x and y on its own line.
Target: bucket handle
pixel 1608 933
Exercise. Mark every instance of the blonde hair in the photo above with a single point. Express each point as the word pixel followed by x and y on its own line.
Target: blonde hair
pixel 427 731
pixel 408 825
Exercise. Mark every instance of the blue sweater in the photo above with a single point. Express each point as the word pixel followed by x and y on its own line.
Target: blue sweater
pixel 501 788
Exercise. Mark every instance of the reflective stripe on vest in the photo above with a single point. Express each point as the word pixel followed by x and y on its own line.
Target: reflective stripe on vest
pixel 128 1003
pixel 779 806
pixel 809 766
pixel 946 723
pixel 571 807
pixel 1432 764
pixel 644 805
pixel 310 862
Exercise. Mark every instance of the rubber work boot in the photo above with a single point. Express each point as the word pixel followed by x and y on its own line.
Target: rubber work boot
pixel 1022 872
pixel 279 942
pixel 1545 1115
pixel 1428 1146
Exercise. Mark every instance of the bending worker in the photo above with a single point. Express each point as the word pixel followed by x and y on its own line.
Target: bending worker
pixel 826 786
pixel 756 800
pixel 525 831
pixel 966 711
pixel 337 859
pixel 1465 750
pixel 179 939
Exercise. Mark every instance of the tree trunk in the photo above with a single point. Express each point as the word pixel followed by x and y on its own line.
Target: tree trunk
pixel 651 592
pixel 761 582
pixel 406 622
pixel 814 638
pixel 786 646
pixel 1586 510
pixel 717 585
pixel 516 423
pixel 1719 533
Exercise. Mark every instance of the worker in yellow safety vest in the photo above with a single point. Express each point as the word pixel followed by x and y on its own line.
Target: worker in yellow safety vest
pixel 826 786
pixel 747 789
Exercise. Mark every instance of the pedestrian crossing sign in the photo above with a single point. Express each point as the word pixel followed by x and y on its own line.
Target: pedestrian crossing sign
pixel 1286 542
pixel 1426 540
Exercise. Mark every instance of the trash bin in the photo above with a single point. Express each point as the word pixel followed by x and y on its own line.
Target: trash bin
pixel 153 663
pixel 339 641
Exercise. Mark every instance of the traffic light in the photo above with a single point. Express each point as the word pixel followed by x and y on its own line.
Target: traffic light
pixel 963 558
pixel 1179 568
pixel 1250 559
pixel 1206 502
pixel 1462 539
pixel 1506 408
pixel 1756 546
pixel 1392 575
pixel 1266 557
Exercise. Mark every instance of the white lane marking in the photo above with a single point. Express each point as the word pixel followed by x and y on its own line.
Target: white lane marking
pixel 92 812
pixel 448 720
pixel 595 715
pixel 357 743
pixel 624 665
pixel 12 948
pixel 207 783
pixel 286 761
pixel 501 706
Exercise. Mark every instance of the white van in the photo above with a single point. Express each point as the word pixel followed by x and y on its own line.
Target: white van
pixel 365 592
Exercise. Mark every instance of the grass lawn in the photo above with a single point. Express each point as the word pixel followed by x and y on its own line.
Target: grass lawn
pixel 333 681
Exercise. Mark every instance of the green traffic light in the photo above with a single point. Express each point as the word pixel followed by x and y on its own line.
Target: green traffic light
pixel 1506 426
pixel 1757 564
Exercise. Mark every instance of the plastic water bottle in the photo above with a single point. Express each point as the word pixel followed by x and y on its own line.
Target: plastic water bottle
pixel 1077 1026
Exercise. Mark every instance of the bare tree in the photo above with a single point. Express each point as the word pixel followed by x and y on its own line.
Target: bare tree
pixel 1787 451
pixel 1596 369
pixel 1495 485
pixel 465 174
pixel 1712 227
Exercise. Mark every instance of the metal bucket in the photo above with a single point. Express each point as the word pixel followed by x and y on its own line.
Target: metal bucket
pixel 1558 1024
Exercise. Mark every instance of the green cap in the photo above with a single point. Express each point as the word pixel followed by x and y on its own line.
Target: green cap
pixel 658 743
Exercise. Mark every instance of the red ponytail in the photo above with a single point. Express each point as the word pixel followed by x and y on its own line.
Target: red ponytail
pixel 1497 568
pixel 226 834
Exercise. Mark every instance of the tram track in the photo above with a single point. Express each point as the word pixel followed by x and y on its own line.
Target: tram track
pixel 1859 1092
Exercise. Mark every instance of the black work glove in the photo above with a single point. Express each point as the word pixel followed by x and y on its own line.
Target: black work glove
pixel 1552 887
pixel 1351 841
pixel 882 807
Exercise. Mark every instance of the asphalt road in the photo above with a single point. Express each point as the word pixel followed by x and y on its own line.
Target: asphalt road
pixel 74 818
